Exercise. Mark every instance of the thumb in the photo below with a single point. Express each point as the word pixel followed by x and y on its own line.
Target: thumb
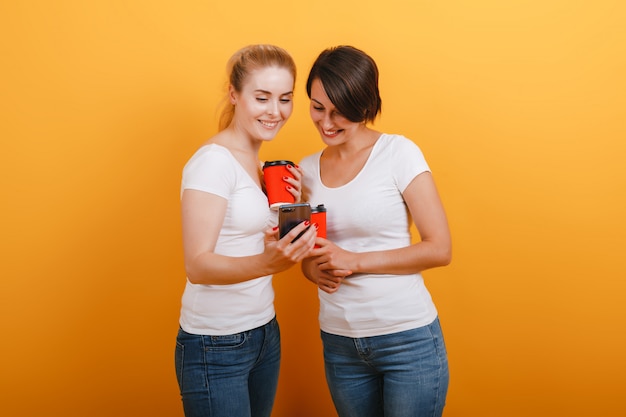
pixel 271 232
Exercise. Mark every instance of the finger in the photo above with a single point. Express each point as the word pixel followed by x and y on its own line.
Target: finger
pixel 304 245
pixel 295 192
pixel 271 232
pixel 317 252
pixel 325 289
pixel 297 232
pixel 310 235
pixel 328 287
pixel 296 171
pixel 294 182
pixel 340 273
pixel 322 242
pixel 332 281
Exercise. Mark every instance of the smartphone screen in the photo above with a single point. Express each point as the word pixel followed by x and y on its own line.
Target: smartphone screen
pixel 291 215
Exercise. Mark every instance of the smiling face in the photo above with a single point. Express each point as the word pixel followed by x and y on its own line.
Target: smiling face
pixel 264 103
pixel 335 129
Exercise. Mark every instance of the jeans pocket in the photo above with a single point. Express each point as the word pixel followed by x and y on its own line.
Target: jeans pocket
pixel 226 342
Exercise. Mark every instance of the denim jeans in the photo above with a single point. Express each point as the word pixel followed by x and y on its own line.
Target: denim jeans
pixel 403 374
pixel 229 376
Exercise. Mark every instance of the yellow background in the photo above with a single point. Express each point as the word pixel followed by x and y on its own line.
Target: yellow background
pixel 519 107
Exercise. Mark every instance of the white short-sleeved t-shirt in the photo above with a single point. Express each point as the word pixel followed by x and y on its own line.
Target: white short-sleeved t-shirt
pixel 369 214
pixel 228 309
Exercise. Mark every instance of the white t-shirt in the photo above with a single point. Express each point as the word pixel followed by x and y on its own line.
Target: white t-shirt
pixel 369 214
pixel 228 309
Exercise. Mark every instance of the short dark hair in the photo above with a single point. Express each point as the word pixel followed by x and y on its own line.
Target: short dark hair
pixel 350 79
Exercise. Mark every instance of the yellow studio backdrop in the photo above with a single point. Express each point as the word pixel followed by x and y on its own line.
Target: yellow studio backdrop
pixel 519 107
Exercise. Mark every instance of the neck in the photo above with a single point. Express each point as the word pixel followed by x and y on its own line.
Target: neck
pixel 363 139
pixel 238 141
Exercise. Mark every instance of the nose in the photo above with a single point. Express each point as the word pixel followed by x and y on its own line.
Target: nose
pixel 327 121
pixel 272 107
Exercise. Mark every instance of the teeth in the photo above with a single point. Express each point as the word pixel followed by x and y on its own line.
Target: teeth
pixel 330 132
pixel 268 124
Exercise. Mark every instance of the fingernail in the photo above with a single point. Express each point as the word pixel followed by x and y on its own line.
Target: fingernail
pixel 275 228
pixel 317 226
pixel 285 178
pixel 306 223
pixel 289 166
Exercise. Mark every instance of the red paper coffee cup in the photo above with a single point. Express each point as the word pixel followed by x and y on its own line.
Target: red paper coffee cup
pixel 318 215
pixel 275 186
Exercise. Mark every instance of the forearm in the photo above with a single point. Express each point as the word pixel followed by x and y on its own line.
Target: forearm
pixel 408 260
pixel 211 268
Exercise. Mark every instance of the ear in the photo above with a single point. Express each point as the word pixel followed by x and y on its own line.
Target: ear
pixel 232 95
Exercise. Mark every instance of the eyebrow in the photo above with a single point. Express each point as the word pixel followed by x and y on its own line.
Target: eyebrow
pixel 270 93
pixel 312 99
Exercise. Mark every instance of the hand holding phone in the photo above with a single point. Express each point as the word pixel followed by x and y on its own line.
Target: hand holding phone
pixel 291 215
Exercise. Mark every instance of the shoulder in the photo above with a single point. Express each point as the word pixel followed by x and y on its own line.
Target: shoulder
pixel 398 143
pixel 210 164
pixel 212 169
pixel 404 158
pixel 211 150
pixel 400 148
pixel 211 154
pixel 310 161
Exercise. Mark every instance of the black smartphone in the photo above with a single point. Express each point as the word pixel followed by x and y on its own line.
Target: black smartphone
pixel 291 215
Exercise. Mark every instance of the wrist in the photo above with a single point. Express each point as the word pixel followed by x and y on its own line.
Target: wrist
pixel 356 263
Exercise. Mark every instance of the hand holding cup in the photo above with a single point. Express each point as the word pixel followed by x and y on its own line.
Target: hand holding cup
pixel 274 173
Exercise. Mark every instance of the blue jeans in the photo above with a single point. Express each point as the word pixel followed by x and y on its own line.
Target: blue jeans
pixel 229 376
pixel 403 374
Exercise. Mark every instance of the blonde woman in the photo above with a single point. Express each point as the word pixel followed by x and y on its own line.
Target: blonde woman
pixel 228 344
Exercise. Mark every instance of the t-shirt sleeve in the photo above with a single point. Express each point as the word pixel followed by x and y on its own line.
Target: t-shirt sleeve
pixel 409 162
pixel 210 171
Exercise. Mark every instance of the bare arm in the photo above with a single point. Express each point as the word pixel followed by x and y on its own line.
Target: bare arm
pixel 433 250
pixel 435 247
pixel 202 217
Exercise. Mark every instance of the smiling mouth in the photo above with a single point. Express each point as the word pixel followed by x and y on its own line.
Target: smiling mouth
pixel 270 125
pixel 331 132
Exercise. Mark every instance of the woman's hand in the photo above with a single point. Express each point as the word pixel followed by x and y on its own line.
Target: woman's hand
pixel 294 185
pixel 325 267
pixel 432 250
pixel 282 254
pixel 202 215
